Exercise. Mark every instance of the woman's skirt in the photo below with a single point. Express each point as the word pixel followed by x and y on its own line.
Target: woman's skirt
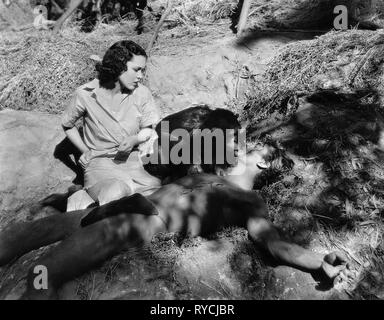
pixel 130 172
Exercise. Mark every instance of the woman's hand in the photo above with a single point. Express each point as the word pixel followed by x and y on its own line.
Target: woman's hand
pixel 145 134
pixel 84 159
pixel 128 144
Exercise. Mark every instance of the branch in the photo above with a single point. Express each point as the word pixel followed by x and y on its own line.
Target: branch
pixel 164 15
pixel 58 8
pixel 73 6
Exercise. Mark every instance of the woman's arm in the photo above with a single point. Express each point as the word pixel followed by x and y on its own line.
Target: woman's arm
pixel 129 143
pixel 132 141
pixel 73 135
pixel 75 111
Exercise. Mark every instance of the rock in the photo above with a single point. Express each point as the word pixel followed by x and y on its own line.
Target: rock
pixel 219 269
pixel 29 171
pixel 222 269
pixel 130 275
pixel 203 77
pixel 205 271
pixel 287 283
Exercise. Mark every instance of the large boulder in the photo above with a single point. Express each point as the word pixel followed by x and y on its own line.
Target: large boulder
pixel 29 171
pixel 215 75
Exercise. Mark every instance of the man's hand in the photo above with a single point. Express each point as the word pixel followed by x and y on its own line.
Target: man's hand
pixel 336 267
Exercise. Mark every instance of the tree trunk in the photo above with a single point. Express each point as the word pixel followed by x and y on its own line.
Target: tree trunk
pixel 243 17
pixel 72 7
pixel 16 12
pixel 160 23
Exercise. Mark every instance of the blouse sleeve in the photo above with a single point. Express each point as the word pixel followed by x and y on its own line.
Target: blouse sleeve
pixel 149 110
pixel 74 111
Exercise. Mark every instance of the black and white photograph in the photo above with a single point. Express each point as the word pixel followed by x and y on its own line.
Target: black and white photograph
pixel 209 151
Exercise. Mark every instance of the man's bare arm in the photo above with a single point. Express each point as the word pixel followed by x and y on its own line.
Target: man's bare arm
pixel 263 232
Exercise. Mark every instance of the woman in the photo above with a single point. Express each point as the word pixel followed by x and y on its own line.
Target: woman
pixel 114 108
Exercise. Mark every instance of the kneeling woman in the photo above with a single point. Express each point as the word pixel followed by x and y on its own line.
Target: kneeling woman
pixel 114 108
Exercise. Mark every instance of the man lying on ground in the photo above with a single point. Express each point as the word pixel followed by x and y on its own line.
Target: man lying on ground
pixel 199 205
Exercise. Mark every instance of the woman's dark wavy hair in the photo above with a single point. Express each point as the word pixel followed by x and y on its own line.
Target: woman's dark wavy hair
pixel 115 62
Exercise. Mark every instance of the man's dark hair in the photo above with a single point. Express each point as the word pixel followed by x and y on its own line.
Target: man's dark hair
pixel 115 62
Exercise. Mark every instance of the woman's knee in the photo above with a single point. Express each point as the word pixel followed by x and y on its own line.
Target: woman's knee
pixel 113 189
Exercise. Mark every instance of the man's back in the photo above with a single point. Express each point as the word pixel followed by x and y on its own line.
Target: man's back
pixel 203 204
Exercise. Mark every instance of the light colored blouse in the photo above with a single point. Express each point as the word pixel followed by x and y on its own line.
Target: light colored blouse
pixel 107 122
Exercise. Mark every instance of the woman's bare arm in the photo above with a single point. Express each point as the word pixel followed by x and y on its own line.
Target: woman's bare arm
pixel 73 135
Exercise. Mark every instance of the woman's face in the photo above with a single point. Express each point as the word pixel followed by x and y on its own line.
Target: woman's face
pixel 135 72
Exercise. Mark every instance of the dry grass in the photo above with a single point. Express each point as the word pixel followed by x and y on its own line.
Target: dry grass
pixel 213 10
pixel 333 199
pixel 202 9
pixel 40 71
pixel 281 14
pixel 350 61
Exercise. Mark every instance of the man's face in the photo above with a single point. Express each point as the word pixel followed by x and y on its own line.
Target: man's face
pixel 258 157
pixel 135 72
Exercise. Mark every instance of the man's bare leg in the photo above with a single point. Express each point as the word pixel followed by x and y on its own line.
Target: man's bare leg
pixel 20 238
pixel 89 247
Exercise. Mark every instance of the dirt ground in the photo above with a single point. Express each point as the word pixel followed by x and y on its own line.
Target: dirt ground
pixel 331 200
